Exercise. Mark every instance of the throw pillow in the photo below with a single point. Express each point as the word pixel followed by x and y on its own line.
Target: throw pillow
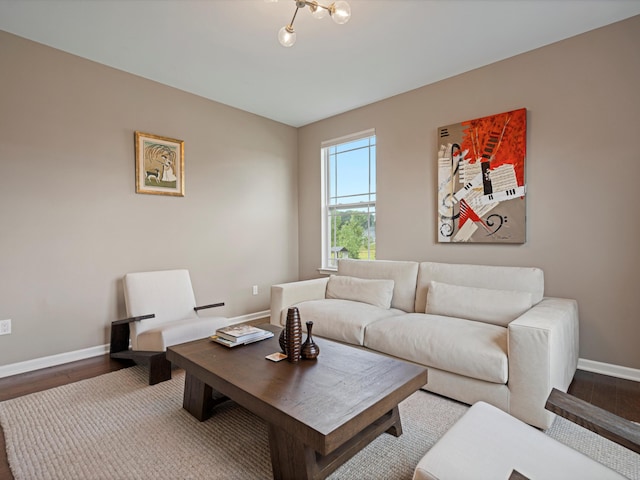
pixel 375 292
pixel 498 307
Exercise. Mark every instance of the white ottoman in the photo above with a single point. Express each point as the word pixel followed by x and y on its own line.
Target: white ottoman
pixel 487 443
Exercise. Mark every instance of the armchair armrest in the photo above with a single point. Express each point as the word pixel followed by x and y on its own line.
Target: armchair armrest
pixel 617 429
pixel 543 354
pixel 285 295
pixel 211 305
pixel 132 319
pixel 120 333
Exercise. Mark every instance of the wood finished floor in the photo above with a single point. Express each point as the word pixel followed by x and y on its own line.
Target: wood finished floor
pixel 616 395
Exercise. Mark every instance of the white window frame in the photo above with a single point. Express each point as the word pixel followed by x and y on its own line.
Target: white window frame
pixel 327 267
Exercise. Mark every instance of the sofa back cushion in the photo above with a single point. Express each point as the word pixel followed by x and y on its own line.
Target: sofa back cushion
pixel 487 305
pixel 404 275
pixel 520 279
pixel 373 292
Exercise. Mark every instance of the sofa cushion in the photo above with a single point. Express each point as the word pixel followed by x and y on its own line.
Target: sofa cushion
pixel 474 349
pixel 481 304
pixel 373 292
pixel 342 320
pixel 521 279
pixel 404 275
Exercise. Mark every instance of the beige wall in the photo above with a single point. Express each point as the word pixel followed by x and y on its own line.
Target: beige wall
pixel 71 223
pixel 583 223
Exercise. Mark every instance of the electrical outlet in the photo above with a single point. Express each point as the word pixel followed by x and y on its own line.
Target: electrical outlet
pixel 255 289
pixel 5 327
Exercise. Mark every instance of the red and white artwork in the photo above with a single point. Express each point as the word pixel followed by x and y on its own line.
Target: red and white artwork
pixel 481 182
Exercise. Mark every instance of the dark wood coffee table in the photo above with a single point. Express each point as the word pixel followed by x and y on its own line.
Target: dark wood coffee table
pixel 319 412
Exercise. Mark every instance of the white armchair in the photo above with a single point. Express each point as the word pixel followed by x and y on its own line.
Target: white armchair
pixel 487 443
pixel 161 311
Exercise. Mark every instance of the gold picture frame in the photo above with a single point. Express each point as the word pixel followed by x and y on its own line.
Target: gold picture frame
pixel 159 165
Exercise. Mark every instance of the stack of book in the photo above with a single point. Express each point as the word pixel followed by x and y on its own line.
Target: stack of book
pixel 235 335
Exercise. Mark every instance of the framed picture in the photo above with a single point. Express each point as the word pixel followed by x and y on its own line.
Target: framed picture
pixel 159 165
pixel 481 181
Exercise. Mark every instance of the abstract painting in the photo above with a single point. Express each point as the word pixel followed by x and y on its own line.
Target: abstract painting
pixel 481 180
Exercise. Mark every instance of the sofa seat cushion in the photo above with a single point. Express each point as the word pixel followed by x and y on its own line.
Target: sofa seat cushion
pixel 342 320
pixel 473 349
pixel 487 443
pixel 159 338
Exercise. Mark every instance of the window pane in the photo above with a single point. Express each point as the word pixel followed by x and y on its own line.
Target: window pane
pixel 350 200
pixel 352 233
pixel 353 172
pixel 352 176
pixel 362 143
pixel 372 156
pixel 332 178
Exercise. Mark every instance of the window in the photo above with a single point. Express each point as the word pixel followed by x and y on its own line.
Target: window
pixel 349 198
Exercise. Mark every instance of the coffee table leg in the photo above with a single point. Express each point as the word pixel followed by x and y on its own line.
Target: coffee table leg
pixel 198 397
pixel 290 459
pixel 396 428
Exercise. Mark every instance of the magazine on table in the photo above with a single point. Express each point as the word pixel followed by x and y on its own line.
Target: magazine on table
pixel 255 335
pixel 237 333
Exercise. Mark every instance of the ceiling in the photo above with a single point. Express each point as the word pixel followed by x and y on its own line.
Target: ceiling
pixel 227 50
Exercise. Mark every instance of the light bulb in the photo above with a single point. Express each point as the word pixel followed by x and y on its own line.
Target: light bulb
pixel 287 36
pixel 340 12
pixel 318 11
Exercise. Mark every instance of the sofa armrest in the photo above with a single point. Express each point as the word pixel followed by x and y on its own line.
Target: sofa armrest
pixel 543 354
pixel 285 295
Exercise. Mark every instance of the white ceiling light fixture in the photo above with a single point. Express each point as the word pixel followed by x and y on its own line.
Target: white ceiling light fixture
pixel 339 11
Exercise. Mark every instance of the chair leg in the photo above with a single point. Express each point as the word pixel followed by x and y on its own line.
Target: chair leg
pixel 159 368
pixel 119 338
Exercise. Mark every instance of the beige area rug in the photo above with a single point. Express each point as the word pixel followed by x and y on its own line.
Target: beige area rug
pixel 117 427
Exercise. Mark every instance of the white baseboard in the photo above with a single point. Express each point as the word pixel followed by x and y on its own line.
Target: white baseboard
pixel 61 358
pixel 609 369
pixel 252 316
pixel 52 361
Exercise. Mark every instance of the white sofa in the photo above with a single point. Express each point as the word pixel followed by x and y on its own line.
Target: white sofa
pixel 486 333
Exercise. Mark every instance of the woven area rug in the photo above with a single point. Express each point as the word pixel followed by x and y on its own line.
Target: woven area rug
pixel 115 426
